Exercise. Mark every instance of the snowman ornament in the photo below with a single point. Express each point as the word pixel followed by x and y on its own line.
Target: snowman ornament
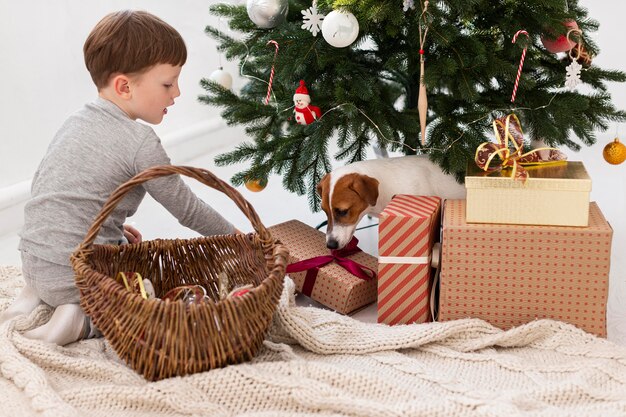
pixel 304 113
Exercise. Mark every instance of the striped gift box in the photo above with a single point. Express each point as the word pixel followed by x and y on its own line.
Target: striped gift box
pixel 408 228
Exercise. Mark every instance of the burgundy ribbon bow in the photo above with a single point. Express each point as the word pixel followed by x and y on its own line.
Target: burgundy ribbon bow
pixel 313 265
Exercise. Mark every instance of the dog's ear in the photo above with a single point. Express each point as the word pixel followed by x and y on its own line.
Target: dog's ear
pixel 367 188
pixel 323 185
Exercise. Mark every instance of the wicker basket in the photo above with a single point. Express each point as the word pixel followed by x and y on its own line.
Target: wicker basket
pixel 161 339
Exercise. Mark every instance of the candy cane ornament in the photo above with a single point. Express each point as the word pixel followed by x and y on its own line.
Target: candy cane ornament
pixel 269 85
pixel 521 62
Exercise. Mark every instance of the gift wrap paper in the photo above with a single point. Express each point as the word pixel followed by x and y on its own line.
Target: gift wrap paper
pixel 408 228
pixel 334 287
pixel 511 274
pixel 555 194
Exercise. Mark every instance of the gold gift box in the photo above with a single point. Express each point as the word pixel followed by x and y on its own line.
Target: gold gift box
pixel 556 194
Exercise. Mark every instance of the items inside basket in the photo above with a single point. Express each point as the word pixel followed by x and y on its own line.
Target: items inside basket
pixel 191 270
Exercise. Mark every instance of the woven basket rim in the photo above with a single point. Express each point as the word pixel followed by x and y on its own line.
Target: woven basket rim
pixel 84 259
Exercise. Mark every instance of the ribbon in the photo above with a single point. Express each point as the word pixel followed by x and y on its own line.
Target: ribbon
pixel 509 149
pixel 434 289
pixel 313 265
pixel 412 260
pixel 136 277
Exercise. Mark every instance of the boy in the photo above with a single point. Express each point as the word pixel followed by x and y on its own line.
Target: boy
pixel 134 59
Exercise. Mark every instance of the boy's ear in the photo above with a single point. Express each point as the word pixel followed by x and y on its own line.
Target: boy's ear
pixel 121 86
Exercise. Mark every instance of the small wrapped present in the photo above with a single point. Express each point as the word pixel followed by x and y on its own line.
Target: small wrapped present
pixel 343 280
pixel 408 229
pixel 556 195
pixel 508 185
pixel 512 274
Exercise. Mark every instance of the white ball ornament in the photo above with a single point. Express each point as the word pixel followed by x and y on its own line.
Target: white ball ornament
pixel 267 14
pixel 340 28
pixel 222 77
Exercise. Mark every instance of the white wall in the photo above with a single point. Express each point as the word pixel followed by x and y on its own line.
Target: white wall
pixel 44 76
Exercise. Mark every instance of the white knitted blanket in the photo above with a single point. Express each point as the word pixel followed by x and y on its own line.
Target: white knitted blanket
pixel 316 362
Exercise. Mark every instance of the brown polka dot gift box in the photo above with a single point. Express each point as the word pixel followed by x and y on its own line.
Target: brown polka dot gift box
pixel 344 280
pixel 408 229
pixel 512 274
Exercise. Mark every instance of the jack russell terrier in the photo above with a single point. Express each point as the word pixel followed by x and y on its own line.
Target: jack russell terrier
pixel 350 192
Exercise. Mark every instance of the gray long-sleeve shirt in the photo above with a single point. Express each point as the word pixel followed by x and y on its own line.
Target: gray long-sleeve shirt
pixel 97 149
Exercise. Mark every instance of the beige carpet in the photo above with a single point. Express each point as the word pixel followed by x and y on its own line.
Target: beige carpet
pixel 321 363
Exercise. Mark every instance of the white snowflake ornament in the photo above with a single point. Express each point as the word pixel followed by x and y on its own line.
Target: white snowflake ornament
pixel 572 76
pixel 408 4
pixel 312 19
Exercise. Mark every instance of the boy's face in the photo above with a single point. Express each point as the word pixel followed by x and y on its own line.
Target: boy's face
pixel 153 92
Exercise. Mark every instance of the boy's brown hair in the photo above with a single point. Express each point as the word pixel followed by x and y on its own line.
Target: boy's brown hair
pixel 130 42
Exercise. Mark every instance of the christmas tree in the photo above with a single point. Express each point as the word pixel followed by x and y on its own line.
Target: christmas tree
pixel 368 91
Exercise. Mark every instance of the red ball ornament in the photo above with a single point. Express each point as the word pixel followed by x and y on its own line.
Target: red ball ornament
pixel 561 43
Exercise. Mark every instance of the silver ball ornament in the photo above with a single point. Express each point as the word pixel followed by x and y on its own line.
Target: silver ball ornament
pixel 340 28
pixel 267 14
pixel 222 77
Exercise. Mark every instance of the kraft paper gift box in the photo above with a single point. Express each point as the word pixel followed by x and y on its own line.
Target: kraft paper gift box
pixel 554 194
pixel 408 229
pixel 512 274
pixel 331 284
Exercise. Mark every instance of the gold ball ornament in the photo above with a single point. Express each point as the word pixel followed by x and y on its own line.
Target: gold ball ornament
pixel 256 185
pixel 615 152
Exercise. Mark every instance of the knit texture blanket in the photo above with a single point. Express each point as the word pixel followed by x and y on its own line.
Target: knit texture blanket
pixel 316 362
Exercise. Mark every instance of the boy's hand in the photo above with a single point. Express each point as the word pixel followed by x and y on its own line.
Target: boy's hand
pixel 131 234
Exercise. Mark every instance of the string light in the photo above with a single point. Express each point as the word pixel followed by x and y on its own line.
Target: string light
pixel 431 149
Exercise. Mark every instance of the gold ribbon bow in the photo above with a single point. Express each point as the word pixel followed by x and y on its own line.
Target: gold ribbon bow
pixel 509 150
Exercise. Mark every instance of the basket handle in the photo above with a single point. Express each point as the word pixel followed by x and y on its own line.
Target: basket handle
pixel 202 175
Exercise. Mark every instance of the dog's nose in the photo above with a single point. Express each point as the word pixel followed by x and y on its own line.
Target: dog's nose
pixel 332 244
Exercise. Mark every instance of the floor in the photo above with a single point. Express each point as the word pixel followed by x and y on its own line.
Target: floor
pixel 275 205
